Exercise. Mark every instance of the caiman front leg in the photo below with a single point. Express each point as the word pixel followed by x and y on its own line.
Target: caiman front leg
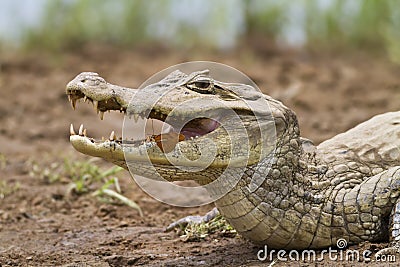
pixel 378 207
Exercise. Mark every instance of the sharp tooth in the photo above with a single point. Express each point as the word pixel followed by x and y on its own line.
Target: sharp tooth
pixel 84 132
pixel 69 98
pixel 101 115
pixel 71 130
pixel 85 99
pixel 95 104
pixel 112 136
pixel 73 103
pixel 136 117
pixel 81 130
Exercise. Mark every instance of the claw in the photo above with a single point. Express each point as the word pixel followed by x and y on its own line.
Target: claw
pixel 193 220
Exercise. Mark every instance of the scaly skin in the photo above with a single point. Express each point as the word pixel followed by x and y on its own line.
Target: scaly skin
pixel 292 195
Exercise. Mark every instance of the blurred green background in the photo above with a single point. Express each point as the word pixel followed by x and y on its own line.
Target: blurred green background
pixel 55 25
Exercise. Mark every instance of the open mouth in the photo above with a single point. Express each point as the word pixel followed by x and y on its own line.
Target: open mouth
pixel 191 129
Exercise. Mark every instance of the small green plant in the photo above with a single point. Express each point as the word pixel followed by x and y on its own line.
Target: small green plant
pixel 49 174
pixel 85 174
pixel 104 193
pixel 84 177
pixel 197 232
pixel 8 188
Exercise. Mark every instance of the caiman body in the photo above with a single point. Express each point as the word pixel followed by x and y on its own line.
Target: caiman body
pixel 290 193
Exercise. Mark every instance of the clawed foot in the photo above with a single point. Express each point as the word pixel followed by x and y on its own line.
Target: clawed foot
pixel 181 223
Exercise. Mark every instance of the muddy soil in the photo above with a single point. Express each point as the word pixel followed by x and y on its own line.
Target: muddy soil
pixel 42 225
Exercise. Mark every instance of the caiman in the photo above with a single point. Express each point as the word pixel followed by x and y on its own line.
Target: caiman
pixel 293 195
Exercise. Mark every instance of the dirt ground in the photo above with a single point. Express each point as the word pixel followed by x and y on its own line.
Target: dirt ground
pixel 40 225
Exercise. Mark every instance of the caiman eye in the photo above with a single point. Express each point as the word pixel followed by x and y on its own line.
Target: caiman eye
pixel 201 86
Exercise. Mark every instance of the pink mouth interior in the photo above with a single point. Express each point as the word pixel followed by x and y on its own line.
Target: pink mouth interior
pixel 199 127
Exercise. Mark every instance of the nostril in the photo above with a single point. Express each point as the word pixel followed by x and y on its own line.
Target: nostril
pixel 83 80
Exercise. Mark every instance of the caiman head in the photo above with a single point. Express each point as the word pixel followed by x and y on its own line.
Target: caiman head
pixel 213 125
